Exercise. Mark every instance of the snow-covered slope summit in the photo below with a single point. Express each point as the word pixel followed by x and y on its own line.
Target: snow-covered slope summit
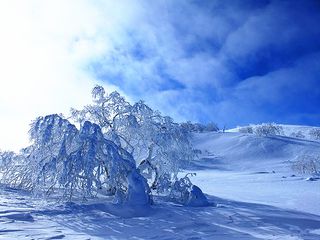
pixel 295 131
pixel 258 169
pixel 243 151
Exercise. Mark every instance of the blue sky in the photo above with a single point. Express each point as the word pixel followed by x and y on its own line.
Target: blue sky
pixel 231 62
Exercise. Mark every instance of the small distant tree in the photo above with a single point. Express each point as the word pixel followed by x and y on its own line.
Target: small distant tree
pixel 307 164
pixel 298 134
pixel 247 129
pixel 315 133
pixel 211 127
pixel 198 127
pixel 188 126
pixel 268 129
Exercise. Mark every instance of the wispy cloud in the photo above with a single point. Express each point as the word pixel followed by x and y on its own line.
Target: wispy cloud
pixel 233 63
pixel 211 51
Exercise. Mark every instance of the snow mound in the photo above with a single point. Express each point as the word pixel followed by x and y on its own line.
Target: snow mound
pixel 197 198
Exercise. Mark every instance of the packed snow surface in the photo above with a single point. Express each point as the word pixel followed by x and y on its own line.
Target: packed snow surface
pixel 253 194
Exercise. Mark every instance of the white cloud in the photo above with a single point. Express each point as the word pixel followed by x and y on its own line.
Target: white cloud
pixel 173 54
pixel 45 46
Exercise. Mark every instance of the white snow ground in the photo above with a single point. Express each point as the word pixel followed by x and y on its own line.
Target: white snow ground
pixel 246 167
pixel 251 186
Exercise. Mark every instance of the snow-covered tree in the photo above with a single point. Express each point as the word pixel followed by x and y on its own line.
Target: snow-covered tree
pixel 118 149
pixel 307 164
pixel 268 129
pixel 158 144
pixel 298 134
pixel 315 133
pixel 198 127
pixel 246 129
pixel 6 158
pixel 183 191
pixel 72 163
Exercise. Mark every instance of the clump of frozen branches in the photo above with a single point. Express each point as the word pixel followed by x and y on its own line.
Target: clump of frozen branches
pixel 118 149
pixel 72 162
pixel 186 193
pixel 246 129
pixel 6 158
pixel 315 133
pixel 268 129
pixel 264 129
pixel 297 134
pixel 307 164
pixel 158 145
pixel 199 127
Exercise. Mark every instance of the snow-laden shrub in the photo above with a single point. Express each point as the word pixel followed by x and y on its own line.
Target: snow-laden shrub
pixel 246 129
pixel 307 164
pixel 198 127
pixel 184 192
pixel 298 134
pixel 315 133
pixel 268 129
pixel 6 158
pixel 164 184
pixel 158 145
pixel 71 162
pixel 101 155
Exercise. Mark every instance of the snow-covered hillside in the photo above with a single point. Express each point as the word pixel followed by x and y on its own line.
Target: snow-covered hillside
pixel 251 168
pixel 252 189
